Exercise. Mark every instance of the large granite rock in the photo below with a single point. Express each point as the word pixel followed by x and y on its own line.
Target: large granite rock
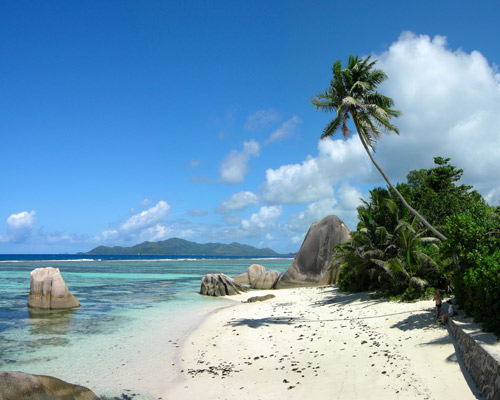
pixel 220 285
pixel 311 266
pixel 49 291
pixel 257 277
pixel 16 385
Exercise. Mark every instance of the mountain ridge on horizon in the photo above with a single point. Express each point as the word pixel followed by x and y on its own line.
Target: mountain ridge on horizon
pixel 182 247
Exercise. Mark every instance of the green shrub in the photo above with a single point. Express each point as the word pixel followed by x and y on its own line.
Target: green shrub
pixel 352 281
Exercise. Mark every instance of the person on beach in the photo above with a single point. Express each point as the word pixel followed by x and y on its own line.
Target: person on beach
pixel 450 312
pixel 439 301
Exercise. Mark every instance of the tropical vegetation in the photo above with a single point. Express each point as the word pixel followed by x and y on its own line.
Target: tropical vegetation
pixel 451 243
pixel 391 251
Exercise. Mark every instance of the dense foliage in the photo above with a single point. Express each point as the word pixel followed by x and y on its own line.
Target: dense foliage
pixel 393 252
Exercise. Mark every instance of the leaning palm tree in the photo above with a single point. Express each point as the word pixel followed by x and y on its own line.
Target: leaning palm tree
pixel 352 94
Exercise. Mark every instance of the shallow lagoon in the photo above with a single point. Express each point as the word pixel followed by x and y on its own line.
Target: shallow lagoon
pixel 133 316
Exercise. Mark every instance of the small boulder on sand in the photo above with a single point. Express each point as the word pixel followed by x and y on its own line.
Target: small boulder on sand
pixel 257 277
pixel 260 298
pixel 49 291
pixel 220 285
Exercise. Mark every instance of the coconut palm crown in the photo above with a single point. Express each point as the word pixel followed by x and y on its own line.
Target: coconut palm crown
pixel 353 94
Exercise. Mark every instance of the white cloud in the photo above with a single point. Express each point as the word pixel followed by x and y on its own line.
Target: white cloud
pixel 286 130
pixel 313 179
pixel 315 211
pixel 19 227
pixel 146 202
pixel 450 102
pixel 262 119
pixel 154 233
pixel 235 166
pixel 297 239
pixel 261 221
pixel 344 205
pixel 237 202
pixel 148 225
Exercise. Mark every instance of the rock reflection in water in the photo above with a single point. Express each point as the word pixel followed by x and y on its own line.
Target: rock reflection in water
pixel 50 322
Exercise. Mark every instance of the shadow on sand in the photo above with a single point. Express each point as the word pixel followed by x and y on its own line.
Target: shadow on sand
pixel 423 319
pixel 257 323
pixel 345 298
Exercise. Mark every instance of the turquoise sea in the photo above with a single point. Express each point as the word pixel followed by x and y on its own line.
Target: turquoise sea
pixel 135 313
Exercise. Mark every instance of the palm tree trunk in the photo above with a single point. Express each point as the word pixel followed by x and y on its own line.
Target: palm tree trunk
pixel 438 234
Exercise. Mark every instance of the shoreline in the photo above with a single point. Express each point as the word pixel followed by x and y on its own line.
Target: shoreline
pixel 323 343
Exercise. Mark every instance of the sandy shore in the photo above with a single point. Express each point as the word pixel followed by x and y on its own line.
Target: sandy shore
pixel 322 344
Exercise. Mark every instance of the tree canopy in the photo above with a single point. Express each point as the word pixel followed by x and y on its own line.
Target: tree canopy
pixel 353 94
pixel 391 251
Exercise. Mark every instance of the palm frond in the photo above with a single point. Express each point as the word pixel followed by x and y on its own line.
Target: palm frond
pixel 332 127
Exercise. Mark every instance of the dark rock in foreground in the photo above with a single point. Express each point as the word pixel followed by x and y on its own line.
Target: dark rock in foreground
pixel 311 266
pixel 16 385
pixel 257 277
pixel 220 285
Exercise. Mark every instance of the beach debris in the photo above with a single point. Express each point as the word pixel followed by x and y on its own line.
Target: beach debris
pixel 49 291
pixel 223 370
pixel 220 285
pixel 260 298
pixel 257 277
pixel 20 385
pixel 311 266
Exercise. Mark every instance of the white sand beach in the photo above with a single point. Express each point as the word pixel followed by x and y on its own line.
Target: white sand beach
pixel 323 344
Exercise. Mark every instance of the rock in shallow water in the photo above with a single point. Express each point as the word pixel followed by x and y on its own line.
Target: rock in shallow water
pixel 16 385
pixel 49 291
pixel 220 285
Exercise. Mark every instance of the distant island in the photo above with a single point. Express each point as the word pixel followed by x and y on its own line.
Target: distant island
pixel 181 247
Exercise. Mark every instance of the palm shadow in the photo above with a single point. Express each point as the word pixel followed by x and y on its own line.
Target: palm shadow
pixel 424 319
pixel 344 298
pixel 262 322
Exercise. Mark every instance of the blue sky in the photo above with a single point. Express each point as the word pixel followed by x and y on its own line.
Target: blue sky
pixel 129 121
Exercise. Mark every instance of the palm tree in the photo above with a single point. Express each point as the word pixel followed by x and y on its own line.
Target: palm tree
pixel 352 94
pixel 394 258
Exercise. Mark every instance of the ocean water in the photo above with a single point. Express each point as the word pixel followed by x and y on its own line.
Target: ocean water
pixel 123 340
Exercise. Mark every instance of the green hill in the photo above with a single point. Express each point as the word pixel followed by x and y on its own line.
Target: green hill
pixel 181 247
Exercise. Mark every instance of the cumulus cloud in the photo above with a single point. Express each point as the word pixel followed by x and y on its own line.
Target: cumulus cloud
pixel 148 225
pixel 286 130
pixel 313 179
pixel 19 227
pixel 262 119
pixel 261 221
pixel 315 211
pixel 344 205
pixel 235 166
pixel 237 202
pixel 450 102
pixel 297 239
